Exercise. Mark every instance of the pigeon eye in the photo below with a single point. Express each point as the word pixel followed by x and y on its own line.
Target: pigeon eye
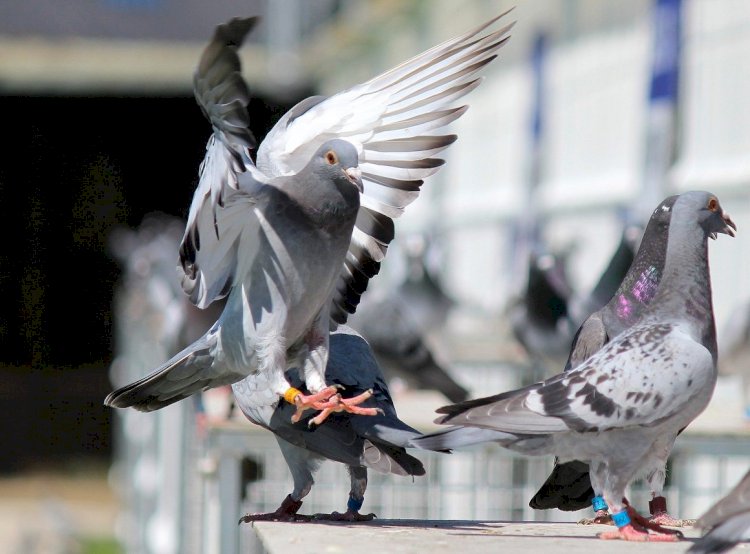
pixel 713 204
pixel 331 157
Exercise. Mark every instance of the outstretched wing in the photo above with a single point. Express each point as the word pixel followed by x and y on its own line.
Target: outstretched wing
pixel 222 223
pixel 394 120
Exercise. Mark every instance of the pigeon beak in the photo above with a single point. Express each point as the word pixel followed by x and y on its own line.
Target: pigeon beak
pixel 354 174
pixel 729 225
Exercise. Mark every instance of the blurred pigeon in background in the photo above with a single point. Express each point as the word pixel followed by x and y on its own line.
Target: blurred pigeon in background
pixel 147 256
pixel 153 319
pixel 632 397
pixel 539 316
pixel 568 488
pixel 151 305
pixel 544 318
pixel 289 221
pixel 727 521
pixel 401 323
pixel 375 442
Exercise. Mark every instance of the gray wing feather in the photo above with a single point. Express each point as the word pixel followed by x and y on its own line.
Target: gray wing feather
pixel 589 339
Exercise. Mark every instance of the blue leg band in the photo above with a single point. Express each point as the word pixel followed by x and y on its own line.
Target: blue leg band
pixel 354 505
pixel 621 519
pixel 598 503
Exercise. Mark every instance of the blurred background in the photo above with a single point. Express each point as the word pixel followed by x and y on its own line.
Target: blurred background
pixel 596 111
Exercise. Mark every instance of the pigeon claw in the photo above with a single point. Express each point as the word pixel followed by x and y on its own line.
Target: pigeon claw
pixel 349 515
pixel 665 519
pixel 660 516
pixel 349 405
pixel 322 400
pixel 286 512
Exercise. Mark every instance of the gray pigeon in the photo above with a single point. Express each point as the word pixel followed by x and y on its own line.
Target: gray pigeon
pixel 359 442
pixel 727 521
pixel 291 242
pixel 568 488
pixel 636 393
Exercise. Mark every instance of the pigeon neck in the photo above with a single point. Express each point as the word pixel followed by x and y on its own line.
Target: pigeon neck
pixel 685 290
pixel 641 282
pixel 329 205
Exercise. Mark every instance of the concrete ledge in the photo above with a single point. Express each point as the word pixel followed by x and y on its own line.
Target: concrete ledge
pixel 436 537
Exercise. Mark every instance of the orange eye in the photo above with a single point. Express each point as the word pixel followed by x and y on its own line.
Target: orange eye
pixel 331 157
pixel 713 204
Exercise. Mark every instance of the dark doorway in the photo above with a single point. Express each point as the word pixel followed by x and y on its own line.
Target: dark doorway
pixel 74 168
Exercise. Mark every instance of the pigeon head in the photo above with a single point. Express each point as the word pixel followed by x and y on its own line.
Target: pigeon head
pixel 710 215
pixel 336 157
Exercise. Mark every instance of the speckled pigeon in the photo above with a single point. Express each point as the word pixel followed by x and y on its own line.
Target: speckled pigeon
pixel 727 521
pixel 568 488
pixel 636 393
pixel 359 442
pixel 290 240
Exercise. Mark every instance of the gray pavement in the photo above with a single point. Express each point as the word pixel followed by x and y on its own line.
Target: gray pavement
pixel 394 536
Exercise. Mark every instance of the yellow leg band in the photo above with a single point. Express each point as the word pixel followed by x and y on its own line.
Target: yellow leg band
pixel 290 394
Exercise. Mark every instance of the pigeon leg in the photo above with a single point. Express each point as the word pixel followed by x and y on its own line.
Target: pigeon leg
pixel 601 513
pixel 286 512
pixel 659 515
pixel 358 477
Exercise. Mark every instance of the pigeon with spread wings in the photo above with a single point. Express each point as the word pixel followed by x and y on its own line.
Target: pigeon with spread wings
pixel 635 394
pixel 290 241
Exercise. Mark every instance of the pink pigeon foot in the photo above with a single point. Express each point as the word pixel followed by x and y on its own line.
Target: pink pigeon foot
pixel 326 398
pixel 660 516
pixel 631 533
pixel 349 405
pixel 286 512
pixel 648 525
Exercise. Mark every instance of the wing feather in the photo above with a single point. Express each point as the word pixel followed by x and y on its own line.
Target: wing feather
pixel 230 188
pixel 394 121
